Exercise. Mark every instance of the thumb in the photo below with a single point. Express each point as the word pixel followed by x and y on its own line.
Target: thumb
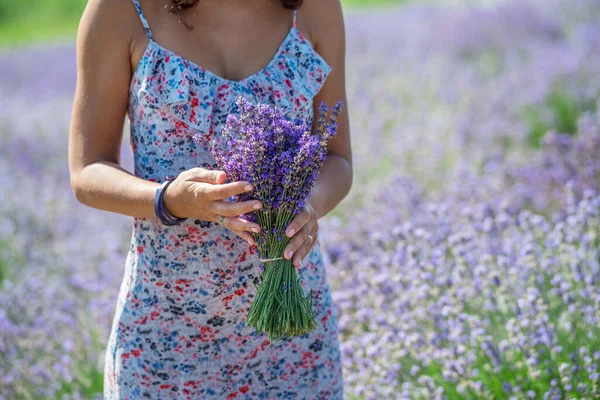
pixel 206 175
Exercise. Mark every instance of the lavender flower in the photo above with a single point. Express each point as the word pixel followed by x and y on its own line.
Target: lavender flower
pixel 282 160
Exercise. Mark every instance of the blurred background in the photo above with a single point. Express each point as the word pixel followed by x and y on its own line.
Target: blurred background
pixel 465 263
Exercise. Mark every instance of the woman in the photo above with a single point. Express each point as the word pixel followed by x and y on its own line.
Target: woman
pixel 175 70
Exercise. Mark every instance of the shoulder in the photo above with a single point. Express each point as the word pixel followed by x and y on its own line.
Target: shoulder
pixel 107 21
pixel 322 17
pixel 324 22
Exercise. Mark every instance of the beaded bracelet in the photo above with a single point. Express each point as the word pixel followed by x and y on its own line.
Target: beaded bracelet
pixel 159 205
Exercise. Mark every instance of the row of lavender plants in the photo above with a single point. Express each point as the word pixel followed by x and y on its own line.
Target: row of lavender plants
pixel 472 88
pixel 488 288
pixel 469 268
pixel 475 296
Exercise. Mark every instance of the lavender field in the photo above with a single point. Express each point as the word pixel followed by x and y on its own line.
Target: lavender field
pixel 465 262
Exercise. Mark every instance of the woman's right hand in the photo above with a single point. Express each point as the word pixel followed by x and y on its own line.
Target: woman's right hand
pixel 200 193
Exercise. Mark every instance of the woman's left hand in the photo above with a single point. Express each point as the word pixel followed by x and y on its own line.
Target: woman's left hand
pixel 303 232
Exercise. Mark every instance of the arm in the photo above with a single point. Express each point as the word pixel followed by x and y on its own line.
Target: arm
pixel 335 179
pixel 104 70
pixel 326 26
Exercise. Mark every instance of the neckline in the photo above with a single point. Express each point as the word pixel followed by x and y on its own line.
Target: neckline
pixel 189 63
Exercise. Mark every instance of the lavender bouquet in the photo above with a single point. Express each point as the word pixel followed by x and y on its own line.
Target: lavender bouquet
pixel 282 159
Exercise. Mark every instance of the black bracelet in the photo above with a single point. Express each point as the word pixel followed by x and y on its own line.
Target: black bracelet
pixel 159 205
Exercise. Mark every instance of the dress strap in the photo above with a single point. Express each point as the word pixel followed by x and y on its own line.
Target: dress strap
pixel 143 18
pixel 294 21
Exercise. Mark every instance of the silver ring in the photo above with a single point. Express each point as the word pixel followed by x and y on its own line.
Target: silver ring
pixel 311 238
pixel 221 219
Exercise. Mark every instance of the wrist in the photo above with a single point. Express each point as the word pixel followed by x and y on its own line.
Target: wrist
pixel 170 202
pixel 160 208
pixel 312 201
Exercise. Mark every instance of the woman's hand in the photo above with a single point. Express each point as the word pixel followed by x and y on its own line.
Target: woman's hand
pixel 303 230
pixel 200 193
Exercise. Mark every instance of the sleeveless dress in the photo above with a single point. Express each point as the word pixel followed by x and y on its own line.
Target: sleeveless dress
pixel 179 327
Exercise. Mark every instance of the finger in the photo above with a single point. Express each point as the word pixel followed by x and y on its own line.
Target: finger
pixel 230 209
pixel 239 225
pixel 246 236
pixel 303 250
pixel 297 223
pixel 227 190
pixel 296 242
pixel 205 175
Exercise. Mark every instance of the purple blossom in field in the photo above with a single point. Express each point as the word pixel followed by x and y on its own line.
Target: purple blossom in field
pixel 443 296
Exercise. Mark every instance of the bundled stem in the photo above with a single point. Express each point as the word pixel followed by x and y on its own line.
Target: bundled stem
pixel 280 307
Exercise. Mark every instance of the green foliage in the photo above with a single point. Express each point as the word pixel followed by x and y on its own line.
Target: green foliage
pixel 7 258
pixel 370 3
pixel 490 64
pixel 88 375
pixel 22 22
pixel 3 270
pixel 559 111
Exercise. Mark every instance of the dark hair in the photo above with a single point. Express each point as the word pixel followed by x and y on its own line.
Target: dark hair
pixel 179 6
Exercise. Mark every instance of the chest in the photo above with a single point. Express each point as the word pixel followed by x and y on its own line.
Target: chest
pixel 233 41
pixel 177 106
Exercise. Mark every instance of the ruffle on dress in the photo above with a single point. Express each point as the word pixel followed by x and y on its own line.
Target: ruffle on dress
pixel 196 96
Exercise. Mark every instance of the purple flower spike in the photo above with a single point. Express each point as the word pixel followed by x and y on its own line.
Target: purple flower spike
pixel 282 160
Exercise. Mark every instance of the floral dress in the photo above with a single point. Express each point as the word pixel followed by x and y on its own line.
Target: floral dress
pixel 179 327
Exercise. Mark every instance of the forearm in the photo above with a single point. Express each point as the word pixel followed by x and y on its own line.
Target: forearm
pixel 332 185
pixel 107 186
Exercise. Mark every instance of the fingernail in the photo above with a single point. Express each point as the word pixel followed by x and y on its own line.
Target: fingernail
pixel 248 187
pixel 291 232
pixel 289 254
pixel 256 206
pixel 255 229
pixel 250 242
